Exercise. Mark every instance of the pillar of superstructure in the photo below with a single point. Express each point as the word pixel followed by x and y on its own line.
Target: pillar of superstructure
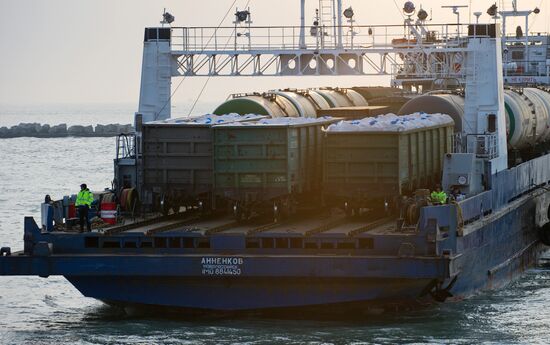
pixel 484 112
pixel 156 75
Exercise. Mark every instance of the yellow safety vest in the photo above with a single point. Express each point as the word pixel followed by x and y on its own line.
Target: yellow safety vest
pixel 84 197
pixel 440 197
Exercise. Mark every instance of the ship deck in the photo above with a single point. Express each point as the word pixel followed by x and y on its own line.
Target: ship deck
pixel 310 225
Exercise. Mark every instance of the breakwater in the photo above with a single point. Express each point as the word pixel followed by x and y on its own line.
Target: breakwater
pixel 62 130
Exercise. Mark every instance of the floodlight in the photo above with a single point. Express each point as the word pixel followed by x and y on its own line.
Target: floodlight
pixel 348 12
pixel 168 18
pixel 409 8
pixel 492 11
pixel 422 15
pixel 242 15
pixel 314 29
pixel 536 10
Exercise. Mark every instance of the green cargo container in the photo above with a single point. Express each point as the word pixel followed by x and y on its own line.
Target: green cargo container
pixel 366 167
pixel 268 163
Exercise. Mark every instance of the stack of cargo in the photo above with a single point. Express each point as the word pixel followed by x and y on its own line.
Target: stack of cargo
pixel 368 163
pixel 177 159
pixel 270 164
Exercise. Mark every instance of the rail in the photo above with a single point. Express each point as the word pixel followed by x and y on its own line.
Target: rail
pixel 125 146
pixel 257 38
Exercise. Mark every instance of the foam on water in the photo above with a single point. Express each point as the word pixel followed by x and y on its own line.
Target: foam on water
pixel 50 311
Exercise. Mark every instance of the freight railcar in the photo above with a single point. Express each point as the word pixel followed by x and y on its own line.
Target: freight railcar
pixel 270 166
pixel 177 160
pixel 371 167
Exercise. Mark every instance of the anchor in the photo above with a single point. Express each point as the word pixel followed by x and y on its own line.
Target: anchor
pixel 438 293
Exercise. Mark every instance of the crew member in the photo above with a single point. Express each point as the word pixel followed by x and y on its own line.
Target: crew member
pixel 457 195
pixel 438 196
pixel 84 200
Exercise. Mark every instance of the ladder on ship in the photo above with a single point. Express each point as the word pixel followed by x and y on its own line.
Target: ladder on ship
pixel 327 22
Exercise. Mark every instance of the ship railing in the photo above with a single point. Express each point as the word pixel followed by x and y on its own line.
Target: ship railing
pixel 535 68
pixel 475 207
pixel 458 143
pixel 419 69
pixel 485 146
pixel 125 146
pixel 532 39
pixel 257 38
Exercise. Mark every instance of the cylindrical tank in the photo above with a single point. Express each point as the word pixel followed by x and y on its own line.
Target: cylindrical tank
pixel 261 104
pixel 527 113
pixel 305 102
pixel 450 104
pixel 528 117
pixel 374 92
pixel 337 97
pixel 519 120
pixel 541 103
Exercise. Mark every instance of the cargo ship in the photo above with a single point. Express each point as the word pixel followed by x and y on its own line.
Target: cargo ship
pixel 318 200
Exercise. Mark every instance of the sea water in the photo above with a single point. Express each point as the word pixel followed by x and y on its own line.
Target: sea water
pixel 35 310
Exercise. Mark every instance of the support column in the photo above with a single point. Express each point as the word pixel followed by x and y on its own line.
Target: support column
pixel 156 75
pixel 302 24
pixel 485 94
pixel 339 16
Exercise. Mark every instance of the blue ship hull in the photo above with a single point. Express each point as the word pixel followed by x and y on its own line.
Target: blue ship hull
pixel 494 257
pixel 456 251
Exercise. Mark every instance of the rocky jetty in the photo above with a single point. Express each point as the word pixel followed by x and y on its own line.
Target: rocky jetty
pixel 62 130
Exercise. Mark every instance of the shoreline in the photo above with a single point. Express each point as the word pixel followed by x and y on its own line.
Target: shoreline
pixel 37 130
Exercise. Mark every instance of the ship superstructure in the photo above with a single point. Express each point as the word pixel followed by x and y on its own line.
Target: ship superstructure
pixel 289 209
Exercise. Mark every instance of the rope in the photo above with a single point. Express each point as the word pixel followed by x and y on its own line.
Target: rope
pixel 208 42
pixel 534 20
pixel 398 9
pixel 459 217
pixel 210 76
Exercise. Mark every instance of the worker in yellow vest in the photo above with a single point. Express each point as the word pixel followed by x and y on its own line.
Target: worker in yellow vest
pixel 83 202
pixel 438 196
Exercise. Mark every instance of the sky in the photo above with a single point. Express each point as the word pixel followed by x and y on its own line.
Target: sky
pixel 90 51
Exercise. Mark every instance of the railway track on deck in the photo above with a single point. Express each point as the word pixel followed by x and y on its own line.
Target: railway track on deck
pixel 160 222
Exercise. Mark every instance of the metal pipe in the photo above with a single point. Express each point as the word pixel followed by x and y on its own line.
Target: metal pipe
pixel 339 14
pixel 526 67
pixel 302 24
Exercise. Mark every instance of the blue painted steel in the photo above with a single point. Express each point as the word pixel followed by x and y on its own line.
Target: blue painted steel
pixel 47 216
pixel 245 294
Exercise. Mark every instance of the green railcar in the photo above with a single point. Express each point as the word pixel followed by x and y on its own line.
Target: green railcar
pixel 263 166
pixel 176 165
pixel 373 168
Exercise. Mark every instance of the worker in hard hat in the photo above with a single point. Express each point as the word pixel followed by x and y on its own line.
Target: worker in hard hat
pixel 438 196
pixel 83 202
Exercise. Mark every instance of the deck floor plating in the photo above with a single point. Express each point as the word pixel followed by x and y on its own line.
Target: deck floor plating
pixel 335 224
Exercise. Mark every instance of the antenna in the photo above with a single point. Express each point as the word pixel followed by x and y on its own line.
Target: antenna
pixel 477 14
pixel 455 11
